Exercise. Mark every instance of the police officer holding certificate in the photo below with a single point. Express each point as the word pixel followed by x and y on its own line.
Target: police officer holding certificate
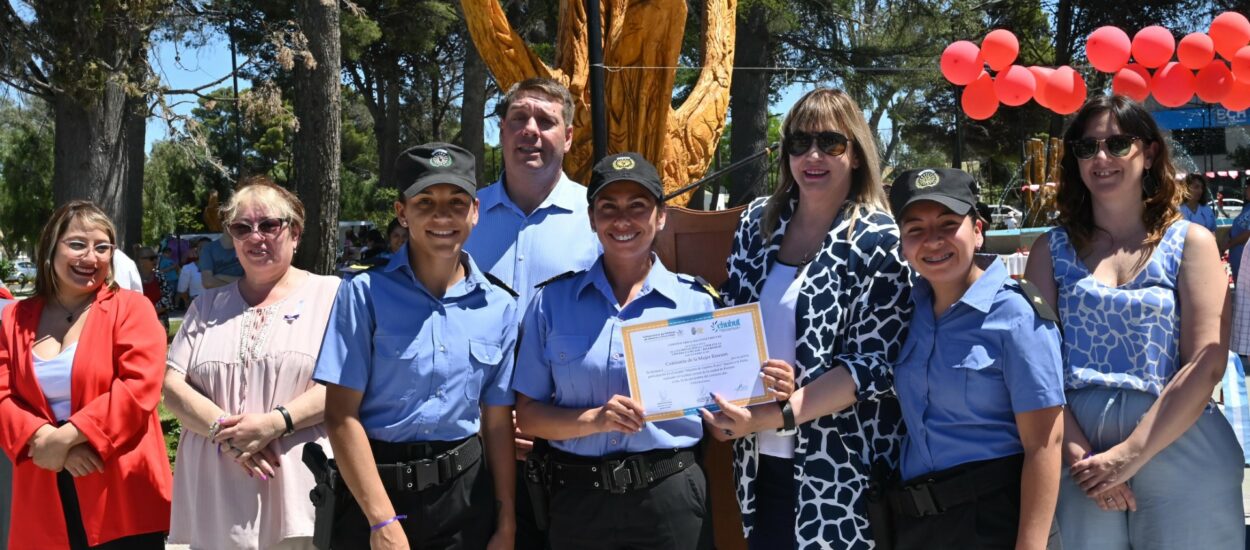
pixel 417 360
pixel 614 480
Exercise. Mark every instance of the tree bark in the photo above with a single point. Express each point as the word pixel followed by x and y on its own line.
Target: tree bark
pixel 473 108
pixel 130 223
pixel 316 147
pixel 748 105
pixel 91 153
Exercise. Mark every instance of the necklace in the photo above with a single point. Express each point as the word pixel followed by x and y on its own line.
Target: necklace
pixel 70 314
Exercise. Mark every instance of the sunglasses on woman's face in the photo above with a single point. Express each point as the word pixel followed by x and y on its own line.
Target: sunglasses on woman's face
pixel 798 144
pixel 1117 146
pixel 268 228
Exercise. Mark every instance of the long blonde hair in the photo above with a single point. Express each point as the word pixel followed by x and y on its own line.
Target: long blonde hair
pixel 824 108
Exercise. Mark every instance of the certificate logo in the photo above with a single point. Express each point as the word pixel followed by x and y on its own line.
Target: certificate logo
pixel 695 331
pixel 726 325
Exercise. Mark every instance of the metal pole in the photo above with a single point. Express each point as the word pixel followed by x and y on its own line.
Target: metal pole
pixel 958 157
pixel 598 116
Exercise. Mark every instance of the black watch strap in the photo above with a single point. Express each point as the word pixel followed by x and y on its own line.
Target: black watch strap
pixel 788 426
pixel 290 425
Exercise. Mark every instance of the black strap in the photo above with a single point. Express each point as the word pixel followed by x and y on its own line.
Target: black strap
pixel 630 473
pixel 419 475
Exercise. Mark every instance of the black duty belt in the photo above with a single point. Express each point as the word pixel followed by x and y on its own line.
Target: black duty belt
pixel 419 475
pixel 617 476
pixel 934 496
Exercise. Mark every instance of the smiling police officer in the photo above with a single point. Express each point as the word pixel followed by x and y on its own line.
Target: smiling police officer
pixel 418 361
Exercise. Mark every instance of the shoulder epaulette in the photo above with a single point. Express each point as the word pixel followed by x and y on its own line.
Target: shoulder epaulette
pixel 499 283
pixel 705 287
pixel 564 275
pixel 1039 304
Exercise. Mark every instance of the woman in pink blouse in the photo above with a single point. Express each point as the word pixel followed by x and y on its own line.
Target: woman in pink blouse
pixel 239 379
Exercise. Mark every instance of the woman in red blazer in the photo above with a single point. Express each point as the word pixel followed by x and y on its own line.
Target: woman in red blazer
pixel 81 364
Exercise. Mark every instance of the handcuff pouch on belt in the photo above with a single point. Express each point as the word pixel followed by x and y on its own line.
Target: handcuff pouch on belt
pixel 323 494
pixel 538 481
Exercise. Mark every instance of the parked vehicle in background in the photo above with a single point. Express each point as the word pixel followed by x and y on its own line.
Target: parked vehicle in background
pixel 23 272
pixel 999 213
pixel 1232 207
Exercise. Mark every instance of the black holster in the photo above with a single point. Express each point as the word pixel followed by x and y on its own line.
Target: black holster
pixel 538 482
pixel 323 494
pixel 877 504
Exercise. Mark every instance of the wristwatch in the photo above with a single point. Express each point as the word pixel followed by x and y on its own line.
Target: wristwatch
pixel 788 427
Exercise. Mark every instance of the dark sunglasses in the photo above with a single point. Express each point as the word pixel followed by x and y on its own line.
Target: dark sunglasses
pixel 268 227
pixel 830 143
pixel 1117 146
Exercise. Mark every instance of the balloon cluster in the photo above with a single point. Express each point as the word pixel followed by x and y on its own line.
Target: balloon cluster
pixel 963 63
pixel 1195 70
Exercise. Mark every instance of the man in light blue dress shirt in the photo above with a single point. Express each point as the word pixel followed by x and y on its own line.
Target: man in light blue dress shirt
pixel 533 224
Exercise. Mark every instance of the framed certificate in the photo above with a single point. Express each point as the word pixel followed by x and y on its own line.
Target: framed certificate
pixel 675 365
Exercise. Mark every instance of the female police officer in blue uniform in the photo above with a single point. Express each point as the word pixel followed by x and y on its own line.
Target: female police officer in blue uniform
pixel 979 381
pixel 417 360
pixel 572 389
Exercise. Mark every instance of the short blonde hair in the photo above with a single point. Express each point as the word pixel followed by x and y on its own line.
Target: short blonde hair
pixel 91 216
pixel 262 191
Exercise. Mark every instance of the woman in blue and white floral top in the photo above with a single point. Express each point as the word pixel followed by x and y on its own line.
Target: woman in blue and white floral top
pixel 1140 294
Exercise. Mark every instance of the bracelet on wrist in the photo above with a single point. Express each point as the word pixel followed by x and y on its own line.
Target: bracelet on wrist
pixel 382 524
pixel 286 417
pixel 215 426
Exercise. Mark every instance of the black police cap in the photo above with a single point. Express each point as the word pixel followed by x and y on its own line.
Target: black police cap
pixel 433 163
pixel 949 187
pixel 625 167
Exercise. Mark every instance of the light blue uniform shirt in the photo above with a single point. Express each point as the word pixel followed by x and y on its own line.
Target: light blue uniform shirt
pixel 424 364
pixel 572 355
pixel 524 251
pixel 962 377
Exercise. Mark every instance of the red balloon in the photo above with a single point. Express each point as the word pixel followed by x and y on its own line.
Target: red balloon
pixel 1108 48
pixel 1230 31
pixel 1014 86
pixel 961 63
pixel 1133 81
pixel 1173 85
pixel 1065 90
pixel 1153 46
pixel 1000 49
pixel 1040 75
pixel 979 101
pixel 1241 63
pixel 1213 82
pixel 1195 51
pixel 1238 98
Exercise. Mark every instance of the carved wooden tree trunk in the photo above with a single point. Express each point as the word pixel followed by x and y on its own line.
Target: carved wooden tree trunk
pixel 642 44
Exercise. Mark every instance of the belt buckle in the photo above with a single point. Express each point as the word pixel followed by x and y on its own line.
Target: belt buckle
pixel 620 475
pixel 922 500
pixel 421 474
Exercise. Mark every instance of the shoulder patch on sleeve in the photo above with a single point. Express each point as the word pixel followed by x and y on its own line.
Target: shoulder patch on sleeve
pixel 499 283
pixel 1039 304
pixel 564 275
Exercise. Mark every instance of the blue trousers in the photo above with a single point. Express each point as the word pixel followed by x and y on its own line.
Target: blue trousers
pixel 1188 495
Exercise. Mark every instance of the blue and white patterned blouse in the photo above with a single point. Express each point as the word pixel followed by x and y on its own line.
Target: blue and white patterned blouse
pixel 1125 336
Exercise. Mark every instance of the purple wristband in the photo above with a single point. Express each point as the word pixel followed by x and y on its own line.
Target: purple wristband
pixel 387 522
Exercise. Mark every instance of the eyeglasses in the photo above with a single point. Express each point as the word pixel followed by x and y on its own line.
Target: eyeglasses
pixel 81 247
pixel 829 143
pixel 1117 146
pixel 268 227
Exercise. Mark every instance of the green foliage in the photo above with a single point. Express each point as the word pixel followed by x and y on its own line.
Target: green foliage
pixel 26 148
